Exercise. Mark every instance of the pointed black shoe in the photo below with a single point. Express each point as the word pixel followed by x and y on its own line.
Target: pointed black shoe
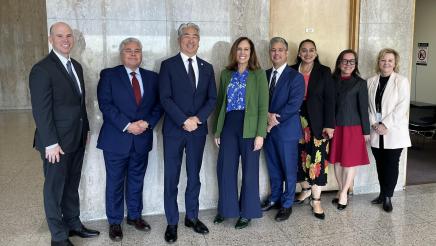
pixel 377 200
pixel 283 214
pixel 171 233
pixel 267 205
pixel 242 223
pixel 197 225
pixel 83 232
pixel 218 219
pixel 387 204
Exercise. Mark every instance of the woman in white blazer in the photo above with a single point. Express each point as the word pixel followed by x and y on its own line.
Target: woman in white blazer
pixel 389 100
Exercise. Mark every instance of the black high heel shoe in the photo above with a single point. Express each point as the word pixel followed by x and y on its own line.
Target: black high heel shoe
pixel 341 206
pixel 320 216
pixel 307 192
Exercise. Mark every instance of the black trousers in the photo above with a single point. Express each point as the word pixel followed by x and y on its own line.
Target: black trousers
pixel 61 196
pixel 387 162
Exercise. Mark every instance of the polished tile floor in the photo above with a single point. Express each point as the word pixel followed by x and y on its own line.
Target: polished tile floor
pixel 413 221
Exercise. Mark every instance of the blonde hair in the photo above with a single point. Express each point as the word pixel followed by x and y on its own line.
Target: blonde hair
pixel 382 53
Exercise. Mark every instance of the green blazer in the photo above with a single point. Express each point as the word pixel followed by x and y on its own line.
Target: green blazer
pixel 256 104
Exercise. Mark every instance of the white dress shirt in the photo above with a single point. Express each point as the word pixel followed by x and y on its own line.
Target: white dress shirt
pixel 194 65
pixel 279 72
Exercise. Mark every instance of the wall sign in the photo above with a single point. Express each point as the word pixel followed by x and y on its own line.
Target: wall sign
pixel 422 54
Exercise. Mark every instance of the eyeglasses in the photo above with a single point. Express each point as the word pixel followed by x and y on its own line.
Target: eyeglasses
pixel 348 62
pixel 130 51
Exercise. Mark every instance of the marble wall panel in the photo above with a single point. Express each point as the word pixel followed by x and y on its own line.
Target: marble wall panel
pixel 99 27
pixel 23 42
pixel 384 23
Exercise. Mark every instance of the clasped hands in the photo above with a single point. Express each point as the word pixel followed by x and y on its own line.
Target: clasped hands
pixel 191 124
pixel 137 127
pixel 272 121
pixel 380 128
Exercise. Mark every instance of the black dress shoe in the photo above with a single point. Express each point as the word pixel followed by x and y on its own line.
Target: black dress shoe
pixel 84 232
pixel 377 200
pixel 341 206
pixel 218 219
pixel 139 224
pixel 283 214
pixel 115 233
pixel 242 223
pixel 65 242
pixel 171 233
pixel 197 225
pixel 387 204
pixel 267 205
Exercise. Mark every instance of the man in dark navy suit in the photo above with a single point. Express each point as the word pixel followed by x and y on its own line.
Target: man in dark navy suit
pixel 188 95
pixel 129 101
pixel 286 88
pixel 58 105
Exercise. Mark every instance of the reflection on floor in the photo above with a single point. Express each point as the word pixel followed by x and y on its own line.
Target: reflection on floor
pixel 421 165
pixel 413 221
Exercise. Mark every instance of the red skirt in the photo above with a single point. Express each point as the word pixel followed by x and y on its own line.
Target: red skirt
pixel 348 147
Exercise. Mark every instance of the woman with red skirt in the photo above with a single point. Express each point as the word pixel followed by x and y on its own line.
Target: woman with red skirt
pixel 348 147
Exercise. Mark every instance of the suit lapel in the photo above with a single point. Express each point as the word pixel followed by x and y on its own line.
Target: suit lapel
pixel 64 71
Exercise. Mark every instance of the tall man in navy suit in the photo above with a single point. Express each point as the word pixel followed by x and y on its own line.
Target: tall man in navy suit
pixel 188 95
pixel 286 88
pixel 129 101
pixel 58 105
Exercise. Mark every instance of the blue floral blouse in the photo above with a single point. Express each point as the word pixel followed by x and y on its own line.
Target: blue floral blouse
pixel 236 91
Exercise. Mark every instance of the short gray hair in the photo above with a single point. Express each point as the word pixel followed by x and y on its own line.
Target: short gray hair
pixel 275 40
pixel 128 41
pixel 183 26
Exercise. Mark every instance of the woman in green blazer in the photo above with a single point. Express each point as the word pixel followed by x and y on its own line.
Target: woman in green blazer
pixel 240 127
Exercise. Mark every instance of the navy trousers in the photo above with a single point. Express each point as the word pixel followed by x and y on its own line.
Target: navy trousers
pixel 124 175
pixel 173 154
pixel 232 147
pixel 61 195
pixel 282 160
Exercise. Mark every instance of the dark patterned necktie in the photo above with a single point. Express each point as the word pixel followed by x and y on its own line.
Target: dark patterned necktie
pixel 272 86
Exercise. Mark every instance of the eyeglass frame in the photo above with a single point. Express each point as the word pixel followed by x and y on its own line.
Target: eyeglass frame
pixel 350 62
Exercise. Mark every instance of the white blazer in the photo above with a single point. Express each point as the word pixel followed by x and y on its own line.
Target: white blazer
pixel 395 108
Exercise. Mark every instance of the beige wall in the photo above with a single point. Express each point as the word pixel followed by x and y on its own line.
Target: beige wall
pixel 425 76
pixel 23 27
pixel 329 21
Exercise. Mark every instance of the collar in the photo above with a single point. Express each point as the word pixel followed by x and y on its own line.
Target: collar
pixel 130 70
pixel 280 69
pixel 185 57
pixel 61 57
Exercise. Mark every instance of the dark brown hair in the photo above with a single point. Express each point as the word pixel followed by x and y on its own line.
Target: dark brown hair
pixel 253 62
pixel 337 71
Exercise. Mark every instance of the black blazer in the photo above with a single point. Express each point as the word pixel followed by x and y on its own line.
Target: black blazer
pixel 320 99
pixel 58 107
pixel 352 103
